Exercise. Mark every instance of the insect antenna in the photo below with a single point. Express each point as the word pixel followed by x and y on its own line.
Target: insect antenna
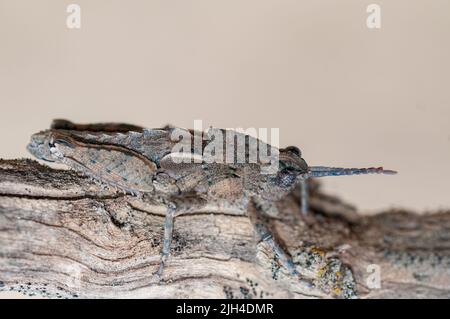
pixel 320 171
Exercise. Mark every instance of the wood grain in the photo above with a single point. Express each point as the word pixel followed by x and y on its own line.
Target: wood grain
pixel 63 236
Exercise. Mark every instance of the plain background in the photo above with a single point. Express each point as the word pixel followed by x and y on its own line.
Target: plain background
pixel 345 94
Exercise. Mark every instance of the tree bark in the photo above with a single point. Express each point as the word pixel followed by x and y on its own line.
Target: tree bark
pixel 63 236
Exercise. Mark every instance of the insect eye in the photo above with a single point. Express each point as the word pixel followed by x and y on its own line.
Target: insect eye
pixel 62 142
pixel 294 150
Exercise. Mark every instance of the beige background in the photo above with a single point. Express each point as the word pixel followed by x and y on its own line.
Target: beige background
pixel 345 94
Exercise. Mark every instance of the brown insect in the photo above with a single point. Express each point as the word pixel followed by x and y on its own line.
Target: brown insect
pixel 142 161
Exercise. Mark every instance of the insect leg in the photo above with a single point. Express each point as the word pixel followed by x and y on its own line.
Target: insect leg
pixel 304 195
pixel 177 206
pixel 260 224
pixel 168 234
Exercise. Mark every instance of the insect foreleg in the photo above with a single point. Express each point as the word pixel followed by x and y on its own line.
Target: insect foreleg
pixel 304 195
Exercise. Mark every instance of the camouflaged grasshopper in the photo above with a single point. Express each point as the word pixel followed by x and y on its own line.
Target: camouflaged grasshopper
pixel 142 162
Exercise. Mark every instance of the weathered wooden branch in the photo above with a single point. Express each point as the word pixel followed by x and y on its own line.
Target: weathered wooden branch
pixel 63 236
